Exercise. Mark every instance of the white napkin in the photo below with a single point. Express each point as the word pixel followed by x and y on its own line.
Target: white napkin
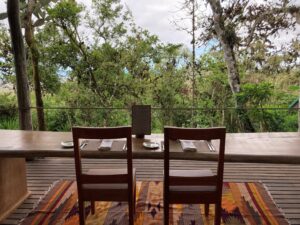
pixel 188 146
pixel 105 145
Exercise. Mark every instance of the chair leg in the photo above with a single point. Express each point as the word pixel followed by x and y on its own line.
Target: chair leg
pixel 131 211
pixel 81 212
pixel 218 209
pixel 131 221
pixel 206 209
pixel 92 207
pixel 134 200
pixel 166 213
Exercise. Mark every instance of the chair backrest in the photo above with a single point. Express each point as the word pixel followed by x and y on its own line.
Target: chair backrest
pixel 176 133
pixel 102 133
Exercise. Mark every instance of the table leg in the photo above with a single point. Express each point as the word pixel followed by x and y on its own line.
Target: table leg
pixel 13 185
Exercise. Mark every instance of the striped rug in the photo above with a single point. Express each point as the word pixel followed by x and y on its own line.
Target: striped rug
pixel 242 203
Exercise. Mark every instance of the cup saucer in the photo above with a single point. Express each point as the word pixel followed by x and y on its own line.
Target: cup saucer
pixel 150 145
pixel 67 144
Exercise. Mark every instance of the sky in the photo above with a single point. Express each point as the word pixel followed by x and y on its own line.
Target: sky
pixel 153 15
pixel 157 16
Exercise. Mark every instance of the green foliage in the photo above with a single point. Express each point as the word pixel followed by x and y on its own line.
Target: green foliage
pixel 66 13
pixel 8 112
pixel 6 56
pixel 290 122
pixel 255 94
pixel 11 123
pixel 58 120
pixel 92 78
pixel 8 104
pixel 109 24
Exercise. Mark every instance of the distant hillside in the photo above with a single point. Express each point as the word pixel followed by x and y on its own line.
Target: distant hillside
pixel 6 88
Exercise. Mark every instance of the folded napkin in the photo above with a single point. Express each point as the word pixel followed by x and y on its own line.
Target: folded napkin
pixel 188 146
pixel 105 145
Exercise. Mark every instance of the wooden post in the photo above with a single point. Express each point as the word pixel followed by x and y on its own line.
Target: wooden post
pixel 12 180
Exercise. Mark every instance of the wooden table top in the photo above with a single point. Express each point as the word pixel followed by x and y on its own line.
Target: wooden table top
pixel 275 147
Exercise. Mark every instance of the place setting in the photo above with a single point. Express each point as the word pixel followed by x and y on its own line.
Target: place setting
pixel 193 146
pixel 102 145
pixel 70 144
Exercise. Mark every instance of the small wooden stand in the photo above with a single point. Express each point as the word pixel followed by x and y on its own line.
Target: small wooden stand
pixel 141 120
pixel 13 185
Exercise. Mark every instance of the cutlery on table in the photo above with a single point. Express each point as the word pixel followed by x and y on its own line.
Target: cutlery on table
pixel 210 146
pixel 83 144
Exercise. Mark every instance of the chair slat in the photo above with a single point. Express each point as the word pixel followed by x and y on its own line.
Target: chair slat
pixel 101 133
pixel 102 179
pixel 196 133
pixel 199 181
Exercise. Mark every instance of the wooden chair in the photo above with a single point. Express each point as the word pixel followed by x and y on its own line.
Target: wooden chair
pixel 193 186
pixel 104 184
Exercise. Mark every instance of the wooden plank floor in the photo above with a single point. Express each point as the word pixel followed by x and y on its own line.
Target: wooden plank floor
pixel 283 181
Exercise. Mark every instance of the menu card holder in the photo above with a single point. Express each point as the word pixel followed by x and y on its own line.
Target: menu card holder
pixel 141 120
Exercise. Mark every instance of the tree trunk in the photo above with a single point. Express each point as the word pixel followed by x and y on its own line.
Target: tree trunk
pixel 299 114
pixel 25 122
pixel 29 37
pixel 194 62
pixel 229 56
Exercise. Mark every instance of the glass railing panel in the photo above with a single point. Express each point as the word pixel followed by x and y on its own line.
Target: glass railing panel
pixel 63 118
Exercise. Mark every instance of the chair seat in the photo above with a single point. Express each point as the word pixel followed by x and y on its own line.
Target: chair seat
pixel 191 173
pixel 103 187
pixel 191 188
pixel 195 189
pixel 190 193
pixel 107 172
pixel 107 191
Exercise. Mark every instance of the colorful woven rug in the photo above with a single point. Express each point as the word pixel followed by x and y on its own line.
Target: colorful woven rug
pixel 242 203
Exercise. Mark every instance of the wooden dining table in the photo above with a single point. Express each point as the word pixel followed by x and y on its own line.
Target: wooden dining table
pixel 16 145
